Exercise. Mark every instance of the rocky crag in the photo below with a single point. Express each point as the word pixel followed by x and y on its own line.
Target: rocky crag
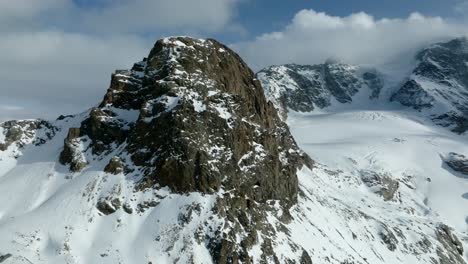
pixel 193 117
pixel 304 88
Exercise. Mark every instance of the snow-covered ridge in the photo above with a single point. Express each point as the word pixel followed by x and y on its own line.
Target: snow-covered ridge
pixel 439 84
pixel 304 88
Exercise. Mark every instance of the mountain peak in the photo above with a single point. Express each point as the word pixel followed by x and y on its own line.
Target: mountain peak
pixel 187 97
pixel 439 84
pixel 193 118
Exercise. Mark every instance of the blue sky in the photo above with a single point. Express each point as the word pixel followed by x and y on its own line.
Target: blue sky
pixel 58 55
pixel 262 16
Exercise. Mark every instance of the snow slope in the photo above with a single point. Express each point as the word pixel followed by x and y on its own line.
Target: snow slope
pixel 48 214
pixel 392 142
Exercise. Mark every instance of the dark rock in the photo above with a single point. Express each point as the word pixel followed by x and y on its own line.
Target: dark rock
pixel 145 205
pixel 452 120
pixel 382 184
pixel 104 128
pixel 5 257
pixel 452 249
pixel 305 258
pixel 115 166
pixel 109 207
pixel 388 238
pixel 304 87
pixel 63 117
pixel 192 117
pixel 440 65
pixel 202 132
pixel 127 208
pixel 21 131
pixel 70 155
pixel 413 95
pixel 457 162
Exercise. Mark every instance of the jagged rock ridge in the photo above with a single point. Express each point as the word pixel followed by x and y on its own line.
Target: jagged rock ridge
pixel 304 88
pixel 439 84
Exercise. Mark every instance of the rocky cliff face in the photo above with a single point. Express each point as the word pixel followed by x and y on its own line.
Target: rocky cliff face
pixel 304 88
pixel 193 117
pixel 439 84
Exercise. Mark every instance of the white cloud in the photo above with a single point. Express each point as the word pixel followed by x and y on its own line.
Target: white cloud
pixel 148 15
pixel 62 71
pixel 26 14
pixel 312 37
pixel 119 16
pixel 46 69
pixel 28 8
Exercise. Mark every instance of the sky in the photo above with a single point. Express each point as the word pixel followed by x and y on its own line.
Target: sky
pixel 57 56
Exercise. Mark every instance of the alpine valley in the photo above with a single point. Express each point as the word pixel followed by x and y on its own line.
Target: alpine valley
pixel 192 158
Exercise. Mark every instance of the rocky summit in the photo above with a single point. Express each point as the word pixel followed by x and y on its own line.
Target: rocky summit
pixel 192 117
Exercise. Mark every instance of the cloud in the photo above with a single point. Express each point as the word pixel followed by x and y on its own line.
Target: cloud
pixel 56 69
pixel 28 8
pixel 119 16
pixel 312 37
pixel 57 55
pixel 148 15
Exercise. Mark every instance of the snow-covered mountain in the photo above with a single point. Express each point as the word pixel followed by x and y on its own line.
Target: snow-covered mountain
pixel 304 88
pixel 390 134
pixel 439 84
pixel 185 160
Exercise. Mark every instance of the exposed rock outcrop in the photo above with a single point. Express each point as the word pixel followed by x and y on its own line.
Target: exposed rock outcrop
pixel 381 183
pixel 452 251
pixel 457 162
pixel 304 88
pixel 72 151
pixel 198 122
pixel 4 257
pixel 192 117
pixel 413 95
pixel 440 81
pixel 23 132
pixel 115 166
